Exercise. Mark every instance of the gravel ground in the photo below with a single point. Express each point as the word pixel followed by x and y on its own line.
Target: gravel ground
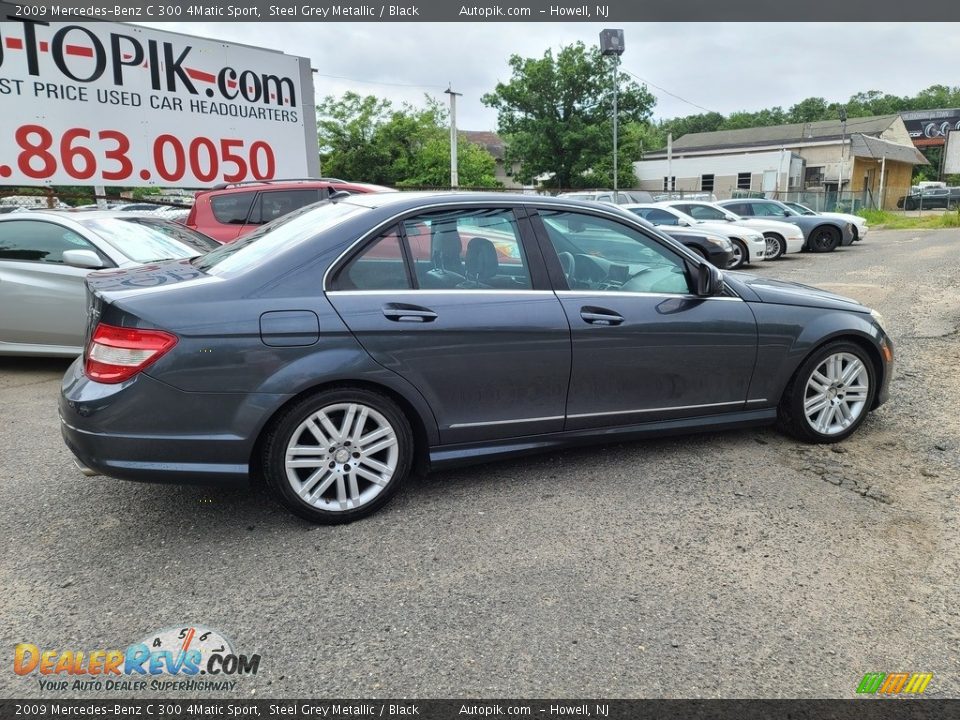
pixel 738 564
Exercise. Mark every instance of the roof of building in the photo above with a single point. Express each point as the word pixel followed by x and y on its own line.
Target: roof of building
pixel 871 147
pixel 792 134
pixel 493 143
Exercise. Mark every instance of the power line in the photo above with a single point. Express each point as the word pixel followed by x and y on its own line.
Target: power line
pixel 647 82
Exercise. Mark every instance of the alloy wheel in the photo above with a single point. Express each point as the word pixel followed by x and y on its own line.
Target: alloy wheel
pixel 836 393
pixel 341 457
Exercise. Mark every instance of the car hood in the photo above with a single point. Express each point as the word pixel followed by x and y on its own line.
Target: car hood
pixel 781 292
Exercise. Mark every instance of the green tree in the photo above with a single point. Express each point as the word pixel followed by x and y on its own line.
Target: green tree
pixel 367 139
pixel 556 115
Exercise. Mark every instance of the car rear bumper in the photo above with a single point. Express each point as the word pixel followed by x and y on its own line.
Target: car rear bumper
pixel 147 430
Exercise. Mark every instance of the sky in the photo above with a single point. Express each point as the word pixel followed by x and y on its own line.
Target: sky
pixel 722 67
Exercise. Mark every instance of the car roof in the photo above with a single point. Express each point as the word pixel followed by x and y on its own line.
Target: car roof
pixel 307 183
pixel 419 198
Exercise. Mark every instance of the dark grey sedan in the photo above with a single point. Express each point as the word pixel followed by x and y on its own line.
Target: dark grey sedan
pixel 347 343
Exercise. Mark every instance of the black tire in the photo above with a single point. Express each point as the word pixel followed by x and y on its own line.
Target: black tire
pixel 781 246
pixel 698 251
pixel 284 428
pixel 790 414
pixel 824 238
pixel 744 256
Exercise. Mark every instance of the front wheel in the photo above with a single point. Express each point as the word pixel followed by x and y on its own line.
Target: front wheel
pixel 776 246
pixel 739 255
pixel 830 395
pixel 338 455
pixel 825 239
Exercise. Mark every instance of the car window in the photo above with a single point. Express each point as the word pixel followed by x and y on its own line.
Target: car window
pixel 232 208
pixel 143 241
pixel 659 216
pixel 742 209
pixel 468 249
pixel 601 254
pixel 276 237
pixel 769 210
pixel 702 212
pixel 38 241
pixel 273 204
pixel 381 266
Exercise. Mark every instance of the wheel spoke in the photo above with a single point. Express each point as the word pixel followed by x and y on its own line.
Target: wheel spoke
pixel 375 465
pixel 814 404
pixel 346 425
pixel 372 477
pixel 852 371
pixel 358 426
pixel 826 418
pixel 821 379
pixel 317 432
pixel 373 435
pixel 846 415
pixel 382 445
pixel 353 488
pixel 313 481
pixel 332 431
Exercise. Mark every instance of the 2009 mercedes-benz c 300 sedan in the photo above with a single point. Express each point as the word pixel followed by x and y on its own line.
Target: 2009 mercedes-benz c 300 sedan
pixel 339 347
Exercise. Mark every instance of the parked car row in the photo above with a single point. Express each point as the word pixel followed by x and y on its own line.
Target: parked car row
pixel 945 198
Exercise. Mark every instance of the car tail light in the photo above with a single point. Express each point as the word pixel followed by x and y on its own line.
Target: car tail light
pixel 116 354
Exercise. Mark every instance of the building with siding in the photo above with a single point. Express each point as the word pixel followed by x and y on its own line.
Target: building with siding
pixel 868 157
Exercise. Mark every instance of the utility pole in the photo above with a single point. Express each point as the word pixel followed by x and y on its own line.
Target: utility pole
pixel 454 175
pixel 843 144
pixel 611 43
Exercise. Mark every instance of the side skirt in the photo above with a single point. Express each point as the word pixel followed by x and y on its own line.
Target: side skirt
pixel 444 456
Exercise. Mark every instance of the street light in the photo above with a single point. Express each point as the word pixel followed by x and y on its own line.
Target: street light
pixel 611 43
pixel 842 112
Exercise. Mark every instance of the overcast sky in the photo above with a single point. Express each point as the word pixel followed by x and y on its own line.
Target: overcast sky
pixel 719 66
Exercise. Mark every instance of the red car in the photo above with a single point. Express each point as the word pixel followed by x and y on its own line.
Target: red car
pixel 228 212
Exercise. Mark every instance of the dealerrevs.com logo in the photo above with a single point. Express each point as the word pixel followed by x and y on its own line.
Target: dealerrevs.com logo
pixel 190 658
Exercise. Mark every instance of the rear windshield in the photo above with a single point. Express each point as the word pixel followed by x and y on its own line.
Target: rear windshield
pixel 274 237
pixel 145 241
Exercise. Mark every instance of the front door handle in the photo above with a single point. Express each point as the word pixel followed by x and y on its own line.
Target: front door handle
pixel 600 316
pixel 399 312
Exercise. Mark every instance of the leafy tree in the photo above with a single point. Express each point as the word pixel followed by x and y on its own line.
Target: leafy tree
pixel 366 139
pixel 556 114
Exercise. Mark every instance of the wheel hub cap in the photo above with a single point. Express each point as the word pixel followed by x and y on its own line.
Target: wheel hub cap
pixel 342 456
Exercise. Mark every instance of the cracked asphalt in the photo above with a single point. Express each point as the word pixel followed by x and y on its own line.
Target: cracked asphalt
pixel 736 564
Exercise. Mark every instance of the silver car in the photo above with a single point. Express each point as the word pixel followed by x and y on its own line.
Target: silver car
pixel 46 256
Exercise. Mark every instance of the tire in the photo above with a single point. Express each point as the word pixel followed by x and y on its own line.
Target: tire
pixel 856 235
pixel 332 482
pixel 824 238
pixel 846 401
pixel 740 255
pixel 776 246
pixel 698 252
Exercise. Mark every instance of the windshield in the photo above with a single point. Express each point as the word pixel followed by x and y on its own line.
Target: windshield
pixel 148 240
pixel 275 236
pixel 802 209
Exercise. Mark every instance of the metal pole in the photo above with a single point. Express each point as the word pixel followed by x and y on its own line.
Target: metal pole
pixel 883 170
pixel 616 61
pixel 843 143
pixel 454 175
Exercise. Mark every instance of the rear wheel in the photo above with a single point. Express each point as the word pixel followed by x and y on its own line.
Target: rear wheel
pixel 338 455
pixel 776 246
pixel 739 255
pixel 830 395
pixel 824 239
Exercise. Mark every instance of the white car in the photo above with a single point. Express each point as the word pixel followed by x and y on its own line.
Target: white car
pixel 781 237
pixel 749 245
pixel 860 227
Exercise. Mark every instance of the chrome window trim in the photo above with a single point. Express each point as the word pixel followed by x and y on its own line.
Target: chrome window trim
pixel 660 409
pixel 506 202
pixel 615 293
pixel 458 426
pixel 440 291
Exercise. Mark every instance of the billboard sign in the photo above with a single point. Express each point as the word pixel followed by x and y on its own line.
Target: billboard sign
pixel 96 103
pixel 930 127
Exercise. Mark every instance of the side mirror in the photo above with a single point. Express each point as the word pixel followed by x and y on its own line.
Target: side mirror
pixel 683 223
pixel 87 259
pixel 709 280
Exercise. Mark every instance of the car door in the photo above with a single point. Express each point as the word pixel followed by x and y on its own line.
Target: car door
pixel 644 347
pixel 469 319
pixel 42 300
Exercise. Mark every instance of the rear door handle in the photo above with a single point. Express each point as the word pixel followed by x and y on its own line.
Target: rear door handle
pixel 600 316
pixel 398 312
